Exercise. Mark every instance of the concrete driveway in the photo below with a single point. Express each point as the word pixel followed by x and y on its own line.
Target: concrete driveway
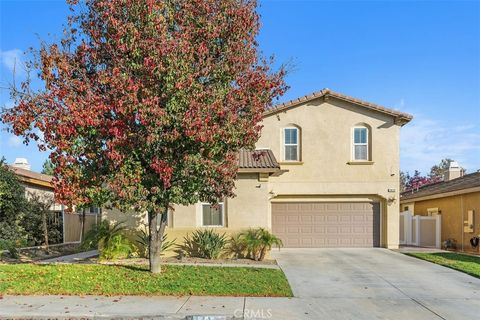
pixel 375 284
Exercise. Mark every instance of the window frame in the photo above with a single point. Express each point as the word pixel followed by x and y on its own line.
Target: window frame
pixel 367 144
pixel 202 224
pixel 284 144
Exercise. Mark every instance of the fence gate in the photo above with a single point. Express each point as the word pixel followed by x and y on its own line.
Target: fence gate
pixel 72 225
pixel 420 231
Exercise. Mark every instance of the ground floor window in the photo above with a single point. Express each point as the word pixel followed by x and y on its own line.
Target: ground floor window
pixel 212 216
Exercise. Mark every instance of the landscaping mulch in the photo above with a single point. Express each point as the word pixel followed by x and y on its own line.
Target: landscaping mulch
pixel 174 260
pixel 33 254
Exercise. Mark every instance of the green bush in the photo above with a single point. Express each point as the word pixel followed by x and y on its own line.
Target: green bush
pixel 11 247
pixel 236 247
pixel 110 239
pixel 13 206
pixel 204 244
pixel 37 212
pixel 117 247
pixel 21 219
pixel 142 243
pixel 257 242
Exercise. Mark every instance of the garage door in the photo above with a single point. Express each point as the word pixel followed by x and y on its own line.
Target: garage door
pixel 327 225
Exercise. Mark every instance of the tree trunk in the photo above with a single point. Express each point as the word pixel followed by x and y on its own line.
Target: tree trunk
pixel 263 253
pixel 156 226
pixel 45 229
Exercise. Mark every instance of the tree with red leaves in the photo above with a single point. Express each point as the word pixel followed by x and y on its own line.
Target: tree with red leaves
pixel 146 103
pixel 417 180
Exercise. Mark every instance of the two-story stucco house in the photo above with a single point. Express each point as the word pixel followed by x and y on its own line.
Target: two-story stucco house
pixel 327 176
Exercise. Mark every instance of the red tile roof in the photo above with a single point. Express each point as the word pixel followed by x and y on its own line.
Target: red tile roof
pixel 262 159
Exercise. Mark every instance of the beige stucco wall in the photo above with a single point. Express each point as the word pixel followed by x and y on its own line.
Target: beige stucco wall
pixel 250 208
pixel 42 194
pixel 453 211
pixel 323 174
pixel 326 150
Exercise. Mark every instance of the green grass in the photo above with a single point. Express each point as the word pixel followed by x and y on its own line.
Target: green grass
pixel 83 279
pixel 461 262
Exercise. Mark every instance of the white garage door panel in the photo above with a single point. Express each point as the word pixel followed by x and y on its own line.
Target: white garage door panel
pixel 317 225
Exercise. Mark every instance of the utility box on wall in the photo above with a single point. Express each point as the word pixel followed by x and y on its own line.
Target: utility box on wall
pixel 468 224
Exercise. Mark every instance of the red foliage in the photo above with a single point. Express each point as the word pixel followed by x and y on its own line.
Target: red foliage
pixel 147 102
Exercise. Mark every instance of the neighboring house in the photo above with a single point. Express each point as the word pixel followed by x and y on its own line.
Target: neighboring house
pixel 326 174
pixel 456 200
pixel 35 184
pixel 40 186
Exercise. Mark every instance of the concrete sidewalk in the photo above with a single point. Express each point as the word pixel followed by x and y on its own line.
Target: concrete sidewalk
pixel 67 307
pixel 71 258
pixel 131 307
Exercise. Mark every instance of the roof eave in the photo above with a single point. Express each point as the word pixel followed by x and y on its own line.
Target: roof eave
pixel 440 195
pixel 258 170
pixel 400 118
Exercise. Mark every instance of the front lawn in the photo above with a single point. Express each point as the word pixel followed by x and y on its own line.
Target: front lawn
pixel 85 279
pixel 461 262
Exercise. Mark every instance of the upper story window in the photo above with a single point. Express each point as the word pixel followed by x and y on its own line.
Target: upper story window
pixel 291 145
pixel 360 144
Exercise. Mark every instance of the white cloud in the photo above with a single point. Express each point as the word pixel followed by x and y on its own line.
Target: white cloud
pixel 424 142
pixel 14 141
pixel 12 60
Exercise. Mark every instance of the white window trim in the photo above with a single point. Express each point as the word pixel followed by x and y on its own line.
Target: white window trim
pixel 200 215
pixel 284 145
pixel 360 144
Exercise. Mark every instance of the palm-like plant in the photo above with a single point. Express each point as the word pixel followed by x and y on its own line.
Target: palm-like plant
pixel 236 246
pixel 110 240
pixel 258 242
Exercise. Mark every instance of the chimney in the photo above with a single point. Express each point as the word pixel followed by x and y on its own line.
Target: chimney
pixel 453 172
pixel 21 163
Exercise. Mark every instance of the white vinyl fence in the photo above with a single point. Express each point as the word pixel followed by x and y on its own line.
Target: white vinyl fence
pixel 420 231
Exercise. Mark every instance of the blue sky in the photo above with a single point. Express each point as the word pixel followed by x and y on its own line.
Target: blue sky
pixel 419 57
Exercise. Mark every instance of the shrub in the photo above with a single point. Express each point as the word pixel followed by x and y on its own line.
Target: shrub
pixel 110 240
pixel 258 242
pixel 13 206
pixel 236 247
pixel 10 246
pixel 205 244
pixel 117 247
pixel 142 241
pixel 38 222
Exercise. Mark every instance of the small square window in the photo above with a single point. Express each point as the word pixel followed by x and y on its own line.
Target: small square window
pixel 212 215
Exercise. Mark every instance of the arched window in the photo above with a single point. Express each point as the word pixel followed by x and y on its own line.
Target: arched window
pixel 360 143
pixel 291 143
